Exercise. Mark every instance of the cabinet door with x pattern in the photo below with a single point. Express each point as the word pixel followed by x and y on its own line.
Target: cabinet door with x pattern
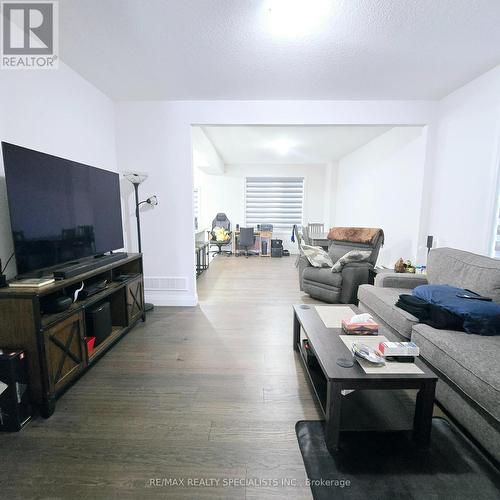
pixel 64 351
pixel 135 300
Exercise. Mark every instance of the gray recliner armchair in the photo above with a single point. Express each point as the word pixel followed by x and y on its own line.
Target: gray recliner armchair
pixel 322 284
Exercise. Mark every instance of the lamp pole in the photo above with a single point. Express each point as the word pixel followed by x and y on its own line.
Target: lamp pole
pixel 137 178
pixel 137 216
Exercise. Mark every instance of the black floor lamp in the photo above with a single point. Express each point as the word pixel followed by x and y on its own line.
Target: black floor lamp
pixel 137 178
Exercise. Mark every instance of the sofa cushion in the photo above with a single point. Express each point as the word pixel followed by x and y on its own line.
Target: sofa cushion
pixel 470 361
pixel 316 256
pixel 323 276
pixel 349 258
pixel 339 249
pixel 447 266
pixel 382 302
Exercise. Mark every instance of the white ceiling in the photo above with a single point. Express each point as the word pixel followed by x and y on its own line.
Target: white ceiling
pixel 307 145
pixel 229 49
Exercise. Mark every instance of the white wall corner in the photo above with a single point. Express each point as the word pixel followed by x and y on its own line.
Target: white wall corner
pixel 426 206
pixel 205 156
pixel 494 194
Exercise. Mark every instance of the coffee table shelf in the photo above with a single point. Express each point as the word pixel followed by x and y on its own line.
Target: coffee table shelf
pixel 316 378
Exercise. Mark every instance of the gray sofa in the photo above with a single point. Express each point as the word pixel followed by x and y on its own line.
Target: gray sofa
pixel 468 365
pixel 322 284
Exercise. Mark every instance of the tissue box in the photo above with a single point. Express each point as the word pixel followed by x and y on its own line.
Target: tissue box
pixel 368 327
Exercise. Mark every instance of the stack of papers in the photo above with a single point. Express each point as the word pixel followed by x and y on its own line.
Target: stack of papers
pixel 332 316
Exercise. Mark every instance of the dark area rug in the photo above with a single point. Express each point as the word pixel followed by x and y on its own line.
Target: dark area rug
pixel 386 465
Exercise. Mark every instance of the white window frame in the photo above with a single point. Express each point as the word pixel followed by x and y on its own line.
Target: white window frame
pixel 495 245
pixel 196 204
pixel 277 228
pixel 495 217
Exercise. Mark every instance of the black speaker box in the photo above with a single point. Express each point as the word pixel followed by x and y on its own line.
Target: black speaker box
pixel 15 407
pixel 430 241
pixel 276 248
pixel 98 322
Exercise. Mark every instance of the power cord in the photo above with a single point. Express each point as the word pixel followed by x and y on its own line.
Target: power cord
pixel 8 260
pixel 75 295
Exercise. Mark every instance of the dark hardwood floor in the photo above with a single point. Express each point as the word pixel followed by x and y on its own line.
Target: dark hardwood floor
pixel 207 393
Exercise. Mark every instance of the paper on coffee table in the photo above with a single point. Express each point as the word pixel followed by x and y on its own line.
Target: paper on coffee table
pixel 390 367
pixel 332 316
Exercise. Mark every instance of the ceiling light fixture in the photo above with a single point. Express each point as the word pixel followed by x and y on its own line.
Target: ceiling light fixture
pixel 281 146
pixel 296 18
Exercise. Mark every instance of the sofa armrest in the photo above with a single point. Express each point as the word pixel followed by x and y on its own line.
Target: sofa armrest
pixel 400 280
pixel 303 264
pixel 354 275
pixel 363 264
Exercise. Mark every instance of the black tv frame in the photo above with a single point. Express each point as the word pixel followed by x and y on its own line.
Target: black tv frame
pixel 64 267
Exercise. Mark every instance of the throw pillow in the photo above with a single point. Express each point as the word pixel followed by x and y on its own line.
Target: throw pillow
pixel 316 256
pixel 220 234
pixel 352 256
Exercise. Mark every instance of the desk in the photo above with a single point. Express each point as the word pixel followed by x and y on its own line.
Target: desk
pixel 260 237
pixel 202 250
pixel 320 240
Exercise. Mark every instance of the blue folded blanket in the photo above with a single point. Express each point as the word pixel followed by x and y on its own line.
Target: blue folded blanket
pixel 480 317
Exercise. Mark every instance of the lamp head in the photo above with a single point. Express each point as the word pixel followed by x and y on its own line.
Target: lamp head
pixel 152 200
pixel 135 177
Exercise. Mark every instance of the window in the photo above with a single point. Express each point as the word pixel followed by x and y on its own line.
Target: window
pixel 274 200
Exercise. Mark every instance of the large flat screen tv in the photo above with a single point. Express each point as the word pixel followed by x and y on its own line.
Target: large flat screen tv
pixel 60 210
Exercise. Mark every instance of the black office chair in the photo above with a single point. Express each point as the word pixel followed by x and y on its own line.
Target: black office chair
pixel 221 220
pixel 246 239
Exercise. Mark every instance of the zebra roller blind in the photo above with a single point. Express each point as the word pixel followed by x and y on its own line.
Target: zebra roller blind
pixel 274 200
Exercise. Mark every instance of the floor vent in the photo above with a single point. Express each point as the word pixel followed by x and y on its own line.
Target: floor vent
pixel 165 283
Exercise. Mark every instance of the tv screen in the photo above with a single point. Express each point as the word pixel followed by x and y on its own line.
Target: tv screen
pixel 60 210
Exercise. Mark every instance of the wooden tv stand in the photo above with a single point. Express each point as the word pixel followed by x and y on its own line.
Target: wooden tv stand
pixel 55 343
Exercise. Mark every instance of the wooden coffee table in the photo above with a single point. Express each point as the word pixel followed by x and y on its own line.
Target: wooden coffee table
pixel 329 379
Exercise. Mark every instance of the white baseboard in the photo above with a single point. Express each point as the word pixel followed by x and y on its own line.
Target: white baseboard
pixel 170 299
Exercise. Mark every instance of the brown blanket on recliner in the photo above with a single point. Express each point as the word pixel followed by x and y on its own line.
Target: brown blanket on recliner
pixel 366 235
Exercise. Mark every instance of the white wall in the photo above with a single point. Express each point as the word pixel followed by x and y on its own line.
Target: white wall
pixel 207 166
pixel 380 185
pixel 330 191
pixel 226 193
pixel 205 156
pixel 56 112
pixel 156 136
pixel 218 193
pixel 463 180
